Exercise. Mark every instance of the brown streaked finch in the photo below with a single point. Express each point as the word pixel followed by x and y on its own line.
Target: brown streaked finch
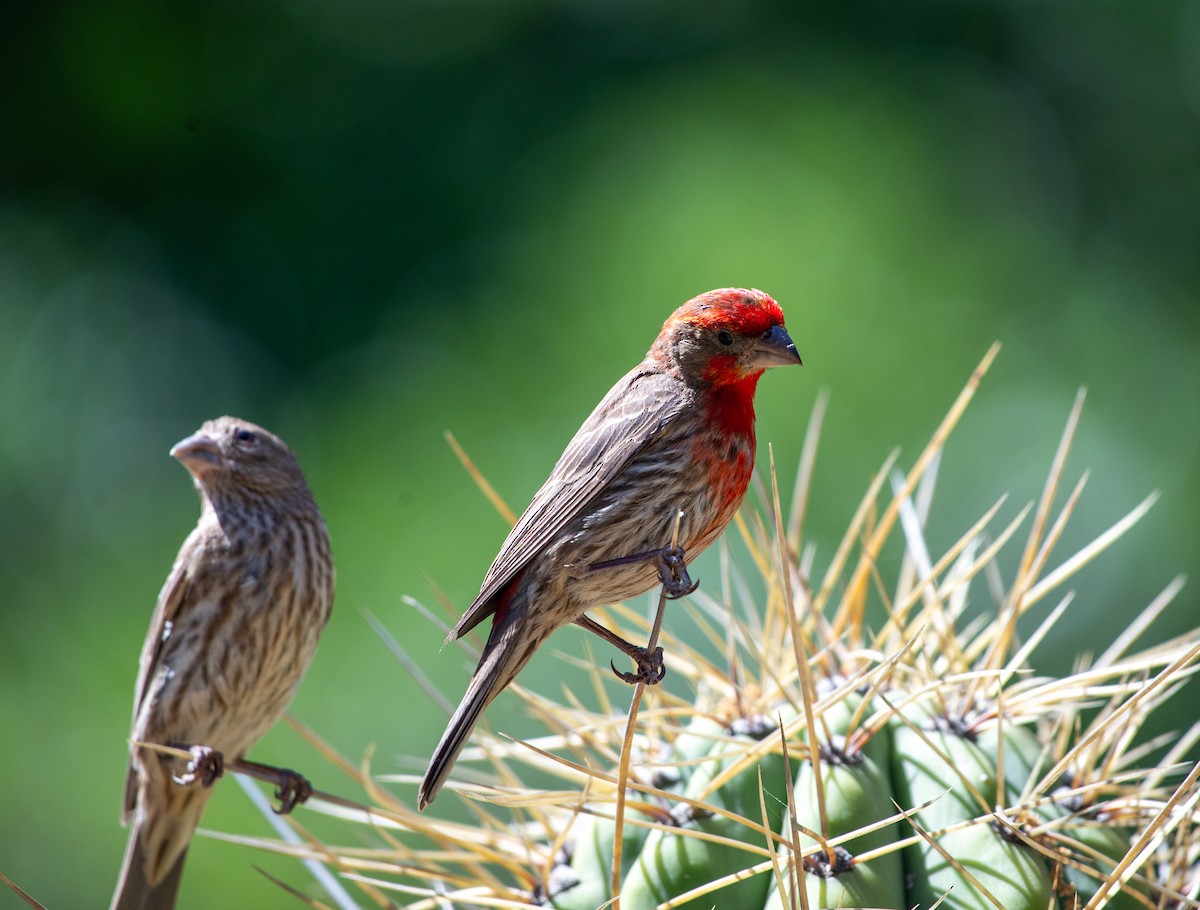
pixel 234 631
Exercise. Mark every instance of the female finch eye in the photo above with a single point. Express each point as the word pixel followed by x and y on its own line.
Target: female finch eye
pixel 246 436
pixel 726 338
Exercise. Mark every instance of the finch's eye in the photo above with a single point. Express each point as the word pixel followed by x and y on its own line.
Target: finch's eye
pixel 725 337
pixel 246 436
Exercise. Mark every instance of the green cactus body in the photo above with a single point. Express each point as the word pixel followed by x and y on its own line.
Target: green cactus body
pixel 592 856
pixel 672 863
pixel 896 765
pixel 1016 876
pixel 696 742
pixel 592 835
pixel 858 793
pixel 1106 842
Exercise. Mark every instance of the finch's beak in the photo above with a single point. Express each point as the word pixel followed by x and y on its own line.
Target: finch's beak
pixel 775 349
pixel 199 453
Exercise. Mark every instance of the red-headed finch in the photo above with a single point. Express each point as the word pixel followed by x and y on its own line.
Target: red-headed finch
pixel 234 631
pixel 676 433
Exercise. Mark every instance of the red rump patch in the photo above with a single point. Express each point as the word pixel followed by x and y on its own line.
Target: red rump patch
pixel 744 310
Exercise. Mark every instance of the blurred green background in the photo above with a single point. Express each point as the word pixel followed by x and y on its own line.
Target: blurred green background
pixel 362 224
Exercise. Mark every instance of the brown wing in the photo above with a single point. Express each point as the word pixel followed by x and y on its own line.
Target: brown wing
pixel 173 592
pixel 632 414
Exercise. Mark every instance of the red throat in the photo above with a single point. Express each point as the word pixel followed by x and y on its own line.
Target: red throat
pixel 730 405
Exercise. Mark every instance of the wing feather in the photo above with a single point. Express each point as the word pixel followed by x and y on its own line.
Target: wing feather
pixel 633 413
pixel 173 593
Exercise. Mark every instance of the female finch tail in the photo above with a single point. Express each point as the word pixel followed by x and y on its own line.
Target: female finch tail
pixel 134 890
pixel 509 647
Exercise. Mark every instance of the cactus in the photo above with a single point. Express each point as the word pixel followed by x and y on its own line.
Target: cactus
pixel 856 744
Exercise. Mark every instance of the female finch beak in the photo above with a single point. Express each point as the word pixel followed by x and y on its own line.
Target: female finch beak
pixel 775 349
pixel 199 453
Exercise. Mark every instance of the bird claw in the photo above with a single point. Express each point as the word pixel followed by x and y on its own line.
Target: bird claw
pixel 294 788
pixel 674 574
pixel 651 669
pixel 205 767
pixel 672 570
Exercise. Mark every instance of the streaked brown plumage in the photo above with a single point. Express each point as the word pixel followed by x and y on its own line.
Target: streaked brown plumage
pixel 233 633
pixel 676 432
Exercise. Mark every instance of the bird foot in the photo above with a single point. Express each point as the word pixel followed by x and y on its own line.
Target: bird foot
pixel 205 767
pixel 291 787
pixel 650 667
pixel 294 788
pixel 674 574
pixel 672 570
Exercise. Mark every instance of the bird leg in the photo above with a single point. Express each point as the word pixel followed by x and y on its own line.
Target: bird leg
pixel 205 767
pixel 291 787
pixel 207 764
pixel 671 569
pixel 650 666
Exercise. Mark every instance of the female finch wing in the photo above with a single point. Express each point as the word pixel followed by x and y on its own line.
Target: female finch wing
pixel 629 417
pixel 173 592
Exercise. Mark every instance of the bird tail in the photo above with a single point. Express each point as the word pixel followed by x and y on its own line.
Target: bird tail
pixel 134 889
pixel 509 647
